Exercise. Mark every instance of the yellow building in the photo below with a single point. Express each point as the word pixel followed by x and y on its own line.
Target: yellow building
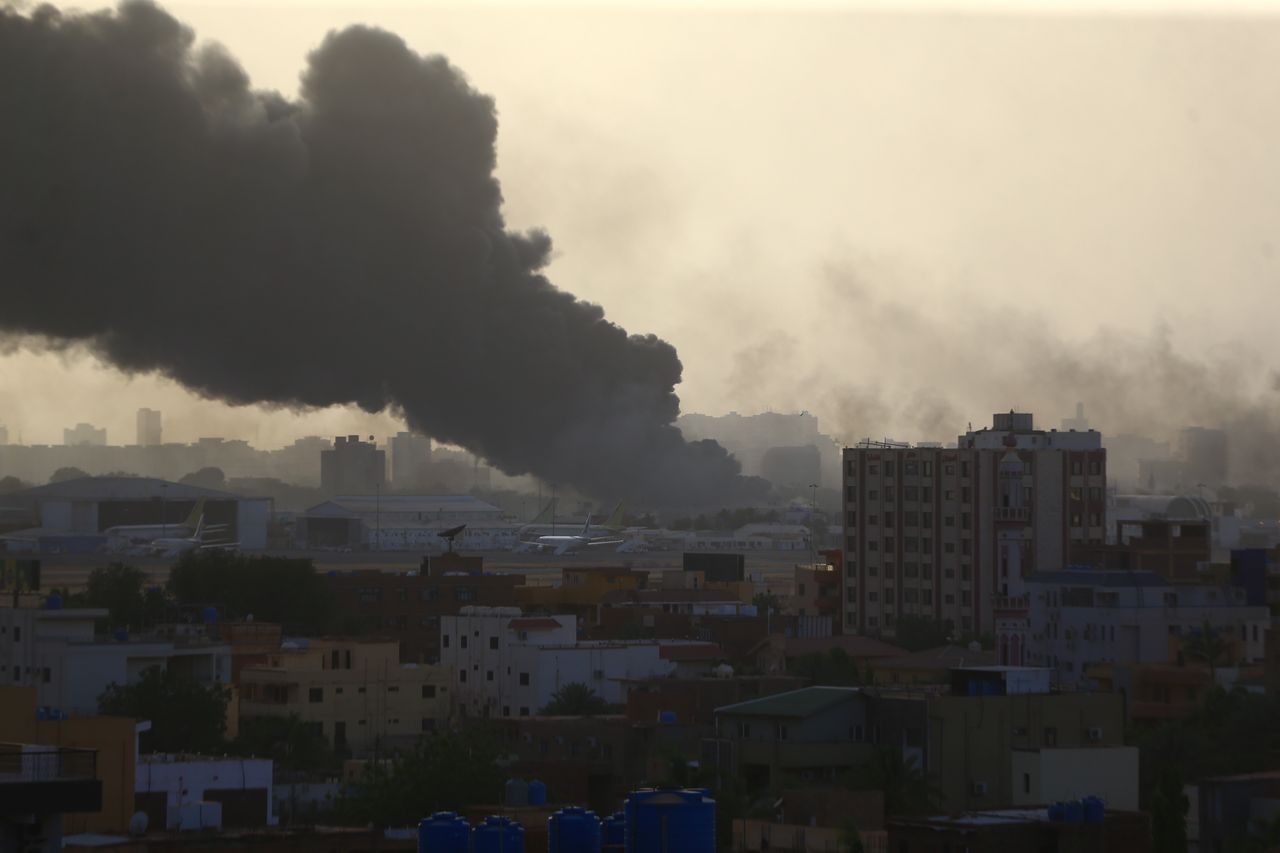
pixel 355 692
pixel 114 738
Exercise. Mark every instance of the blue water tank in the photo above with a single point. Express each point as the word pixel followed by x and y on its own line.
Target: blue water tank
pixel 1075 812
pixel 573 829
pixel 537 793
pixel 665 820
pixel 210 615
pixel 498 835
pixel 121 635
pixel 42 713
pixel 515 793
pixel 53 602
pixel 666 716
pixel 615 831
pixel 1057 812
pixel 1095 811
pixel 444 832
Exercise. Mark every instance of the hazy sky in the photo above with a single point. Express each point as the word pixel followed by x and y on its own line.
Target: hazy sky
pixel 900 222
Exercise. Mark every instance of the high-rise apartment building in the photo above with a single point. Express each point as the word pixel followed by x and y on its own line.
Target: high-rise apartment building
pixel 148 428
pixel 945 532
pixel 352 466
pixel 410 460
pixel 82 434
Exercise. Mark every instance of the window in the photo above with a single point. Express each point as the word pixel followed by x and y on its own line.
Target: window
pixel 911 519
pixel 488 675
pixel 873 596
pixel 964 469
pixel 855 732
pixel 888 518
pixel 493 643
pixel 17 633
pixel 462 676
pixel 873 469
pixel 1095 467
pixel 48 674
pixel 948 521
pixel 873 495
pixel 910 544
pixel 910 570
pixel 782 732
pixel 873 520
pixel 370 595
pixel 395 688
pixel 524 712
pixel 429 593
pixel 966 494
pixel 911 469
pixel 850 494
pixel 428 691
pixel 911 493
pixel 926 468
pixel 851 595
pixel 873 545
pixel 444 640
pixel 1026 783
pixel 462 641
pixel 926 596
pixel 889 493
pixel 948 547
pixel 464 593
pixel 524 679
pixel 428 724
pixel 744 730
pixel 926 519
pixel 926 493
pixel 851 468
pixel 949 469
pixel 1075 467
pixel 1050 736
pixel 851 518
pixel 315 694
pixel 851 543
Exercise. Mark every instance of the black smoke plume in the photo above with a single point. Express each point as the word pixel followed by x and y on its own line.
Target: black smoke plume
pixel 348 247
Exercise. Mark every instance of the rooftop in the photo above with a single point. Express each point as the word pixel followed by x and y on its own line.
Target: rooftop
pixel 943 657
pixel 804 702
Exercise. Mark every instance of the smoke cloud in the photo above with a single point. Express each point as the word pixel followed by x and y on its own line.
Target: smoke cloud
pixel 347 247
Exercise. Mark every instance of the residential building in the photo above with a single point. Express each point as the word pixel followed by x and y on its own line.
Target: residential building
pixel 39 783
pixel 780 652
pixel 55 651
pixel 695 700
pixel 356 693
pixel 1230 807
pixel 84 434
pixel 149 434
pixel 927 667
pixel 410 461
pixel 171 789
pixel 940 532
pixel 1153 692
pixel 1082 617
pixel 352 467
pixel 505 664
pixel 1204 457
pixel 408 606
pixel 817 593
pixel 808 735
pixel 1002 830
pixel 580 592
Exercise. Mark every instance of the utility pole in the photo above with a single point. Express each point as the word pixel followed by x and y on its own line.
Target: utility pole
pixel 377 517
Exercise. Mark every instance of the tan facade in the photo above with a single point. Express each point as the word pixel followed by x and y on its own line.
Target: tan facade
pixel 940 533
pixel 357 693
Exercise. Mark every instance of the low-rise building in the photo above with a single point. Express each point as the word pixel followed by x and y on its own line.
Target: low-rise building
pixel 172 791
pixel 1001 830
pixel 930 666
pixel 39 783
pixel 56 651
pixel 356 693
pixel 1083 617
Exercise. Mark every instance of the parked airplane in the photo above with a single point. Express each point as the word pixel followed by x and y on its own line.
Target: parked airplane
pixel 565 544
pixel 171 546
pixel 140 534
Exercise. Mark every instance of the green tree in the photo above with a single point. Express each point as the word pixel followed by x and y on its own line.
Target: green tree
pixel 1206 646
pixel 67 473
pixel 767 603
pixel 833 668
pixel 10 484
pixel 273 589
pixel 575 699
pixel 917 633
pixel 125 593
pixel 185 716
pixel 851 838
pixel 206 478
pixel 1169 806
pixel 290 742
pixel 447 771
pixel 907 789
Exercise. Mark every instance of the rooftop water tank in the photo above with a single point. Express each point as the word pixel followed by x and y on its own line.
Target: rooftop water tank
pixel 665 820
pixel 516 793
pixel 444 832
pixel 537 793
pixel 210 615
pixel 1074 812
pixel 573 829
pixel 1057 812
pixel 53 602
pixel 666 716
pixel 1095 811
pixel 498 835
pixel 122 636
pixel 615 832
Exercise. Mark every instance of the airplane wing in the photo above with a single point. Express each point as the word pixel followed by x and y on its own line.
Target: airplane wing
pixel 219 546
pixel 594 542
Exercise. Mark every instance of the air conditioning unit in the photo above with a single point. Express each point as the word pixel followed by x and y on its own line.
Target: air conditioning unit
pixel 1094 734
pixel 978 789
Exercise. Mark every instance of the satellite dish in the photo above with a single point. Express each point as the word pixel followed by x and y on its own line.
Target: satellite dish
pixel 451 534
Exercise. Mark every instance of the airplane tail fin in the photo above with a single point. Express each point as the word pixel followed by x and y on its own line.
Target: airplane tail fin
pixel 199 528
pixel 615 519
pixel 586 527
pixel 197 515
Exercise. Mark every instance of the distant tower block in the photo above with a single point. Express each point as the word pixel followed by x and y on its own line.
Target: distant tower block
pixel 148 428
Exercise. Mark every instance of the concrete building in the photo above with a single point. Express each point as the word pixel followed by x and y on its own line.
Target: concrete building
pixel 1203 454
pixel 39 783
pixel 174 791
pixel 1230 807
pixel 408 606
pixel 941 532
pixel 149 434
pixel 410 461
pixel 356 693
pixel 405 523
pixel 506 664
pixel 353 467
pixel 55 651
pixel 84 434
pixel 1083 617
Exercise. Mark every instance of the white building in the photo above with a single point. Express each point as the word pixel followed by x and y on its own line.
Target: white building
pixel 56 652
pixel 239 788
pixel 406 523
pixel 510 665
pixel 1080 617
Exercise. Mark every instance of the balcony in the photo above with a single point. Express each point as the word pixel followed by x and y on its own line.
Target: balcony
pixel 1012 513
pixel 48 779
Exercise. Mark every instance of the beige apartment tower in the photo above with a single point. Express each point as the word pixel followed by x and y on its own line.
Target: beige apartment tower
pixel 948 533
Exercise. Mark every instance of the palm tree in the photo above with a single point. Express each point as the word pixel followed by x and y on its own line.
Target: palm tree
pixel 1207 646
pixel 575 699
